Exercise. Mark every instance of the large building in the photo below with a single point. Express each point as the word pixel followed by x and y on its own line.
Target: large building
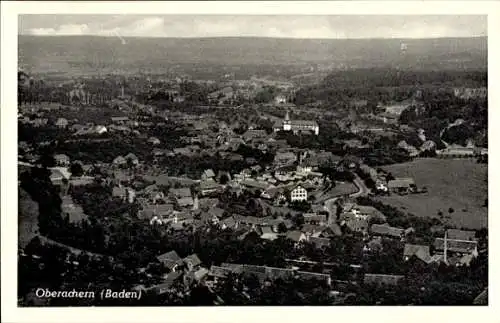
pixel 296 126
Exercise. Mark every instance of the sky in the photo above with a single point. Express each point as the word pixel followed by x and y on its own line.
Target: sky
pixel 330 27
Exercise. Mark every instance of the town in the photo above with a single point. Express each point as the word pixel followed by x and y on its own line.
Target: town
pixel 264 190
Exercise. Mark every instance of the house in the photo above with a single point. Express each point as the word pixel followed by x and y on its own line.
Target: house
pixel 400 185
pixel 172 280
pixel 59 174
pixel 209 187
pixel 185 202
pixel 180 192
pixel 419 251
pixel 119 161
pixel 455 234
pixel 285 157
pixel 216 212
pixel 208 174
pixel 154 141
pixel 314 218
pixel 482 298
pixel 170 260
pixel 296 236
pixel 62 160
pixel 62 123
pixel 119 120
pixel 192 262
pixel 382 280
pixel 228 223
pixel 357 225
pixel 305 275
pixel 218 273
pixel 298 194
pixel 456 246
pixel 196 277
pixel 386 230
pixel 268 233
pixel 320 242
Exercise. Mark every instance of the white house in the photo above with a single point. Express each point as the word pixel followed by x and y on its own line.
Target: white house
pixel 298 194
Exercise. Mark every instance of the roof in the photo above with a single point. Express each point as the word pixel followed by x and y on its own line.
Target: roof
pixel 419 251
pixel 218 271
pixel 401 183
pixel 384 229
pixel 216 211
pixel 169 282
pixel 312 275
pixel 206 185
pixel 456 245
pixel 185 201
pixel 59 173
pixel 320 242
pixel 170 259
pixel 193 260
pixel 303 123
pixel 119 160
pixel 461 235
pixel 209 173
pixel 255 184
pixel 357 224
pixel 294 235
pixel 131 156
pixel 200 273
pixel 61 156
pixel 382 279
pixel 482 298
pixel 229 222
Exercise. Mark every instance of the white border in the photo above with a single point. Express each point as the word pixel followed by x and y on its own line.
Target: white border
pixel 10 313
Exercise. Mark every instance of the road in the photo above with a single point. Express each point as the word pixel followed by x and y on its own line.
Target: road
pixel 330 204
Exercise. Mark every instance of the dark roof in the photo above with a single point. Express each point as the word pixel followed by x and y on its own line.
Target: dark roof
pixel 380 279
pixel 320 242
pixel 218 271
pixel 170 280
pixel 216 211
pixel 386 230
pixel 456 245
pixel 461 235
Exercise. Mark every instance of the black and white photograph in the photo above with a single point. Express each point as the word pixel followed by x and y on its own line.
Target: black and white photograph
pixel 251 160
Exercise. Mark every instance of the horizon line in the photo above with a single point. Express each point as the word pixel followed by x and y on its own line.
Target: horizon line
pixel 256 37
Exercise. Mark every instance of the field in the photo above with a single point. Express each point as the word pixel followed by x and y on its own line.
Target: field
pixel 457 184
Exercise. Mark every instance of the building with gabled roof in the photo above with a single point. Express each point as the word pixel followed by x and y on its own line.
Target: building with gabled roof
pixel 171 260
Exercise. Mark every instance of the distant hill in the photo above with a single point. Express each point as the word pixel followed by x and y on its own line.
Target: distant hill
pixel 91 53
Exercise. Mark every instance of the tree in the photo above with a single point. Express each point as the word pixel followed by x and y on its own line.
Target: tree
pixel 282 228
pixel 224 179
pixel 76 169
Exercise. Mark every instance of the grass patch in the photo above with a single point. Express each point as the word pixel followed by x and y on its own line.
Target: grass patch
pixel 457 184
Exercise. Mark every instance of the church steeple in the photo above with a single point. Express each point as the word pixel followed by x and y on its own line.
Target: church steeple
pixel 287 116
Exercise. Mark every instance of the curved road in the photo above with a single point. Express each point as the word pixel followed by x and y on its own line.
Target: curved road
pixel 330 204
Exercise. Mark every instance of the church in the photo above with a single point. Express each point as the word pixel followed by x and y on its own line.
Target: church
pixel 296 126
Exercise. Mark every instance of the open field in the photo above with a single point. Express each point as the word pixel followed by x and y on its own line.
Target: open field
pixel 457 184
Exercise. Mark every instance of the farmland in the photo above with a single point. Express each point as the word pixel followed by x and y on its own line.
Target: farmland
pixel 457 184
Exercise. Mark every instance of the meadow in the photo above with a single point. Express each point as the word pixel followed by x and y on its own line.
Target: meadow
pixel 457 184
